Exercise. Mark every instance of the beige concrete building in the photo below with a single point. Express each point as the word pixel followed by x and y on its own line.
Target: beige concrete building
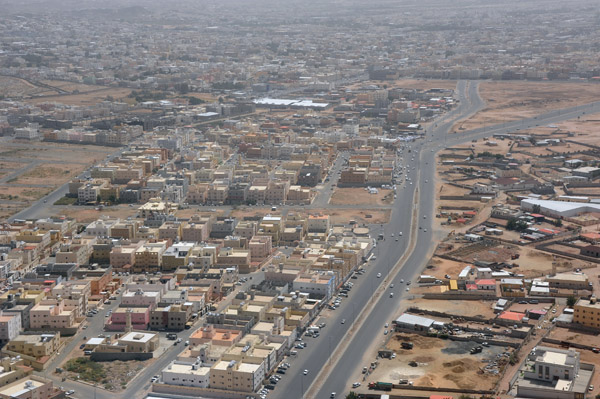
pixel 236 376
pixel 31 387
pixel 587 313
pixel 52 314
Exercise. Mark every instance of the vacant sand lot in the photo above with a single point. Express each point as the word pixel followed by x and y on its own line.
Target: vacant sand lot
pixel 359 196
pixel 508 101
pixel 440 363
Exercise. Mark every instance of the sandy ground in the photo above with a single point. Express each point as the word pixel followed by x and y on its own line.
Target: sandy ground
pixel 343 216
pixel 507 101
pixel 419 84
pixel 455 307
pixel 586 129
pixel 52 174
pixel 86 214
pixel 359 196
pixel 94 96
pixel 440 363
pixel 16 88
pixel 43 178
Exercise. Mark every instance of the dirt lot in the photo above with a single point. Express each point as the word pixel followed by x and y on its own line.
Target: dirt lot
pixel 91 97
pixel 37 181
pixel 440 363
pixel 508 101
pixel 52 174
pixel 455 307
pixel 343 216
pixel 439 267
pixel 585 128
pixel 534 263
pixel 419 84
pixel 16 88
pixel 359 196
pixel 86 214
pixel 112 376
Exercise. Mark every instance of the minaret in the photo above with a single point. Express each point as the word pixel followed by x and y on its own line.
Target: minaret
pixel 128 327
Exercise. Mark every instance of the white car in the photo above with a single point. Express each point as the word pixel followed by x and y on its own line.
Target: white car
pixel 356 385
pixel 305 372
pixel 400 234
pixel 378 275
pixel 407 289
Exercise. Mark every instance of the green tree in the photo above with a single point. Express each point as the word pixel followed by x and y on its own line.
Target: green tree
pixel 98 198
pixel 537 208
pixel 571 301
pixel 352 395
pixel 516 224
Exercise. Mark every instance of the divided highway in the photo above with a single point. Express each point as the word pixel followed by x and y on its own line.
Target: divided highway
pixel 337 378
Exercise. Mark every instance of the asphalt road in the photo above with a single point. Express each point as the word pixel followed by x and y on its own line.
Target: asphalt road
pixel 418 166
pixel 43 207
pixel 339 380
pixel 420 171
pixel 140 384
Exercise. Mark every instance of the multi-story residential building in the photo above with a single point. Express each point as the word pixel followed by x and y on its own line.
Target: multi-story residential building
pixel 196 230
pixel 148 257
pixel 246 229
pixel 236 376
pixel 586 312
pixel 223 227
pixel 170 230
pixel 170 317
pixel 318 224
pixel 186 374
pixel 229 257
pixel 217 193
pixel 53 315
pixel 90 192
pixel 36 346
pixel 140 318
pixel 176 256
pixel 553 373
pixel 124 255
pixel 10 326
pixel 31 387
pixel 318 285
pixel 260 248
pixel 101 227
pixel 141 298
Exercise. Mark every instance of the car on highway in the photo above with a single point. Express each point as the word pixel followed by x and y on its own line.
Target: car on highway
pixel 305 372
pixel 407 289
pixel 392 285
pixel 343 321
pixel 385 332
pixel 70 392
pixel 378 275
pixel 400 234
pixel 391 294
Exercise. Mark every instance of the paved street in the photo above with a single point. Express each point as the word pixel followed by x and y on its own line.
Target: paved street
pixel 368 289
